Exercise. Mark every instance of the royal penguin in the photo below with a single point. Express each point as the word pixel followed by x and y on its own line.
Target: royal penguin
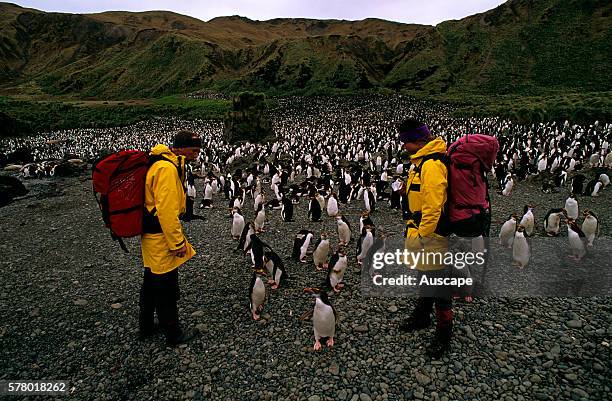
pixel 571 207
pixel 324 318
pixel 576 239
pixel 365 243
pixel 321 252
pixel 236 202
pixel 598 185
pixel 528 220
pixel 379 246
pixel 301 243
pixel 364 220
pixel 344 230
pixel 260 218
pixel 257 248
pixel 508 187
pixel 259 200
pixel 287 209
pixel 506 233
pixel 276 269
pixel 208 193
pixel 245 238
pixel 321 200
pixel 314 209
pixel 257 294
pixel 352 193
pixel 237 223
pixel 337 267
pixel 369 199
pixel 520 248
pixel 590 226
pixel 552 221
pixel 332 206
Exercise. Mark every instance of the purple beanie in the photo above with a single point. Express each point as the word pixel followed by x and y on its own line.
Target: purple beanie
pixel 414 135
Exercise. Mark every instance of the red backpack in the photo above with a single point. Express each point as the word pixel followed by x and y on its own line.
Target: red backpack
pixel 468 160
pixel 119 187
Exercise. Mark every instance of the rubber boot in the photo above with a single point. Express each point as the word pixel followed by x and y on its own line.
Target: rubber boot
pixel 420 318
pixel 444 332
pixel 184 337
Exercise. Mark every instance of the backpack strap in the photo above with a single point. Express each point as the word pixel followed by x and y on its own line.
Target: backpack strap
pixel 155 158
pixel 150 221
pixel 442 227
pixel 121 243
pixel 432 156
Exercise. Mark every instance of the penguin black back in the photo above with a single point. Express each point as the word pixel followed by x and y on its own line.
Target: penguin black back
pixel 287 209
pixel 243 236
pixel 314 209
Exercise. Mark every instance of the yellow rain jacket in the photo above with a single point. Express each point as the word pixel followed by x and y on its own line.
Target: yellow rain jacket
pixel 165 198
pixel 426 199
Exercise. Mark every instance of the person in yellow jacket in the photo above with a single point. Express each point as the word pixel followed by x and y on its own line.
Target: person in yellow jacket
pixel 426 230
pixel 163 244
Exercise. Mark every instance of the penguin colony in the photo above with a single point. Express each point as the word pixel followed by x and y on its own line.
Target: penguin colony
pixel 515 234
pixel 329 154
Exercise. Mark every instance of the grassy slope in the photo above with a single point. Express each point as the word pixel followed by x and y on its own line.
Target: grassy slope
pixel 527 60
pixel 522 46
pixel 33 116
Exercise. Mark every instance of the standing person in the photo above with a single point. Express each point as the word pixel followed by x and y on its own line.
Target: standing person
pixel 164 246
pixel 426 229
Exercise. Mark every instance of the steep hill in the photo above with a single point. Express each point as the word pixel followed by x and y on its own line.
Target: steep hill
pixel 522 46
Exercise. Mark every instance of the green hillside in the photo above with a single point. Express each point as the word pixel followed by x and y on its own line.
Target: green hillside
pixel 521 47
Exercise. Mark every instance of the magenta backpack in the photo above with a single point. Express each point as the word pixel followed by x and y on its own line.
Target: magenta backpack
pixel 469 159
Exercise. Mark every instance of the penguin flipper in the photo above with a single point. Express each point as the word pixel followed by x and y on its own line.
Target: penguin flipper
pixel 336 319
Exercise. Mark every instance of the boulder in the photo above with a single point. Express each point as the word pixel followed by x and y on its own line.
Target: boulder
pixel 67 169
pixel 13 167
pixel 10 188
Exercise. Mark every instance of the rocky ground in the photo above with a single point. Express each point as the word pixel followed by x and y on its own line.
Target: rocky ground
pixel 69 305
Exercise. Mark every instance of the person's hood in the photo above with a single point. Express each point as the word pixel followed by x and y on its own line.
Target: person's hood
pixel 436 145
pixel 166 153
pixel 163 150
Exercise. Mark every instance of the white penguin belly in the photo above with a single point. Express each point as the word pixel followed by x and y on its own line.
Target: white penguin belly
pixel 365 246
pixel 576 244
pixel 320 254
pixel 303 249
pixel 237 226
pixel 553 224
pixel 520 251
pixel 258 295
pixel 323 320
pixel 260 219
pixel 344 233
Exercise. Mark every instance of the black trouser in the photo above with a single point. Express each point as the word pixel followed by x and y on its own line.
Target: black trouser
pixel 444 311
pixel 440 296
pixel 160 293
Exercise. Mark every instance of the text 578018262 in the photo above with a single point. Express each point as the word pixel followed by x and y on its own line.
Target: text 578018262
pixel 33 387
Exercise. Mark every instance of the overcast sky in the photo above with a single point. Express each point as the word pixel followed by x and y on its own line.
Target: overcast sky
pixel 429 12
